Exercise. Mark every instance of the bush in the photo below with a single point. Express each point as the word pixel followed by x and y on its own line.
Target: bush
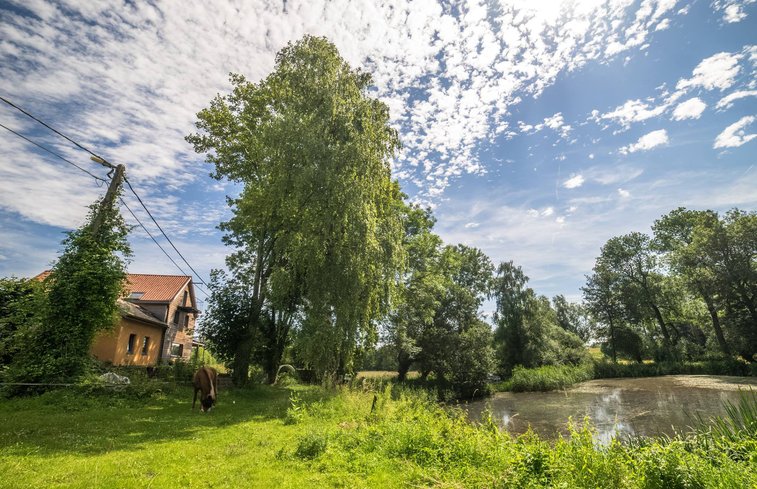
pixel 311 445
pixel 548 377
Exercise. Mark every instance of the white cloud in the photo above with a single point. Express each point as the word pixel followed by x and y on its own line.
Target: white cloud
pixel 574 182
pixel 663 25
pixel 717 71
pixel 548 212
pixel 591 156
pixel 647 142
pixel 690 109
pixel 624 194
pixel 472 225
pixel 735 135
pixel 633 111
pixel 728 100
pixel 733 10
pixel 131 79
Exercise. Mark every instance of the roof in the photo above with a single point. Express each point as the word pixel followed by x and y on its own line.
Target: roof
pixel 157 288
pixel 133 311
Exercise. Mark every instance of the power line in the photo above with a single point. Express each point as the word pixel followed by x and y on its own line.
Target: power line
pixel 157 243
pixel 163 232
pixel 104 162
pixel 53 153
pixel 100 160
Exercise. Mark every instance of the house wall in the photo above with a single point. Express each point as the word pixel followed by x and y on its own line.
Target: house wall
pixel 113 346
pixel 177 333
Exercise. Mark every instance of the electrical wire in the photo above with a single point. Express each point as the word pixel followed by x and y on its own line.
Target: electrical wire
pixel 163 232
pixel 107 164
pixel 54 154
pixel 102 160
pixel 157 243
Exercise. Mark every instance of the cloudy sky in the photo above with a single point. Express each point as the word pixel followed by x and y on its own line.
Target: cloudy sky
pixel 536 129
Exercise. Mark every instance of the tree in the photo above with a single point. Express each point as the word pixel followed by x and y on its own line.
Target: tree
pixel 316 227
pixel 528 332
pixel 688 239
pixel 83 289
pixel 456 344
pixel 603 301
pixel 634 265
pixel 22 306
pixel 572 317
pixel 421 287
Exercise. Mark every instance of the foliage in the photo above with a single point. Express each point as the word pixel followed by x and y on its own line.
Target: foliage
pixel 528 332
pixel 573 317
pixel 83 289
pixel 22 307
pixel 548 377
pixel 316 227
pixel 684 293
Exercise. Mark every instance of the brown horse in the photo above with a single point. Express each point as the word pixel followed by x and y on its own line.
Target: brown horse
pixel 205 382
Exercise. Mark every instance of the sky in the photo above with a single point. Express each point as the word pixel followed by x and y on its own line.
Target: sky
pixel 536 130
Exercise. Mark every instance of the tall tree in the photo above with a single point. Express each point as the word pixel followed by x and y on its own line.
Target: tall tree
pixel 635 265
pixel 421 287
pixel 689 239
pixel 317 224
pixel 528 332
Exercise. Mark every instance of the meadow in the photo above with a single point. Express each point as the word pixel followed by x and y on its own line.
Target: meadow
pixel 309 436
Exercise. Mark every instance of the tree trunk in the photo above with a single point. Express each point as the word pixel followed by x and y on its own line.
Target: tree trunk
pixel 612 341
pixel 241 364
pixel 716 325
pixel 663 327
pixel 403 366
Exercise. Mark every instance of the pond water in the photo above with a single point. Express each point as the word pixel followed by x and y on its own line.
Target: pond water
pixel 645 406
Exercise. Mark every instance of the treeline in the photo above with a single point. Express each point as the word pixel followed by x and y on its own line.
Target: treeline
pixel 687 291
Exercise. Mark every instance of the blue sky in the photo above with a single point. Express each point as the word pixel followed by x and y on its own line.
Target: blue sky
pixel 536 130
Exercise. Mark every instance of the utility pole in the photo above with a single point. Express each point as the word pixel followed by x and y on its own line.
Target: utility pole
pixel 110 196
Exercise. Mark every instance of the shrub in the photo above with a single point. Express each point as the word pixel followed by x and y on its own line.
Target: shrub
pixel 311 445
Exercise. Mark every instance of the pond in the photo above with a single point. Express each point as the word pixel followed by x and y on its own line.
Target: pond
pixel 616 407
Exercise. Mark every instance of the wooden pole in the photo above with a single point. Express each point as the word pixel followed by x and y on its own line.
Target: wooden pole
pixel 110 196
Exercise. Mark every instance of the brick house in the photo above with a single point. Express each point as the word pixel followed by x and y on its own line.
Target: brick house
pixel 157 323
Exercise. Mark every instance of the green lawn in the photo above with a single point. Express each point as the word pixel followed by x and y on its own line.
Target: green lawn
pixel 311 437
pixel 59 441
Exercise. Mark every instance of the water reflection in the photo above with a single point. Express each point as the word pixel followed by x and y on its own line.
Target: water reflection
pixel 616 407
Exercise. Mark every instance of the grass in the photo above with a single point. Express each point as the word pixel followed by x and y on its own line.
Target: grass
pixel 547 378
pixel 311 437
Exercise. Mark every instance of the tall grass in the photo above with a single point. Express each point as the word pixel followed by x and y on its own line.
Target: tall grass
pixel 548 377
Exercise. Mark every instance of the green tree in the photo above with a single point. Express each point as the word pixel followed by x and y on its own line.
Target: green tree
pixel 22 308
pixel 688 239
pixel 572 317
pixel 528 332
pixel 317 226
pixel 444 343
pixel 421 288
pixel 83 289
pixel 640 285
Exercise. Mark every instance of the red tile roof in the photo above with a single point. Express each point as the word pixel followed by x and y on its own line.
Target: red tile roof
pixel 160 288
pixel 157 288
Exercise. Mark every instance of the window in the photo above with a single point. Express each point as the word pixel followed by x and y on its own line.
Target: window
pixel 176 317
pixel 145 345
pixel 136 295
pixel 184 301
pixel 186 321
pixel 130 345
pixel 177 349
